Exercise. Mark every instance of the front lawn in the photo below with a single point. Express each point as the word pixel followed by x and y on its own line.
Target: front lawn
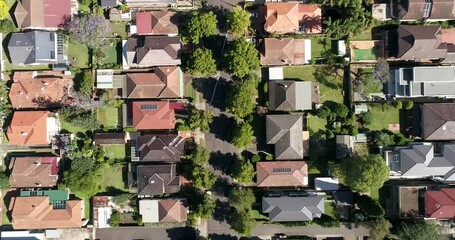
pixel 113 179
pixel 109 117
pixel 383 115
pixel 258 215
pixel 329 206
pixel 316 123
pixel 309 73
pixel 116 151
pixel 78 55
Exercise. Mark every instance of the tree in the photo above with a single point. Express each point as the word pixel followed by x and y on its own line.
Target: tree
pixel 4 9
pixel 201 63
pixel 241 58
pixel 363 173
pixel 88 29
pixel 370 206
pixel 324 112
pixel 242 222
pixel 241 198
pixel 419 230
pixel 203 178
pixel 241 96
pixel 200 120
pixel 202 25
pixel 85 119
pixel 367 118
pixel 201 204
pixel 380 138
pixel 7 26
pixel 243 171
pixel 381 70
pixel 366 83
pixel 200 156
pixel 4 180
pixel 408 105
pixel 241 134
pixel 84 82
pixel 379 228
pixel 238 22
pixel 114 220
pixel 109 99
pixel 340 110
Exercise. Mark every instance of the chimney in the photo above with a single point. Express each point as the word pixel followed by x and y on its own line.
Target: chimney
pixel 42 88
pixel 23 133
pixel 37 163
pixel 20 92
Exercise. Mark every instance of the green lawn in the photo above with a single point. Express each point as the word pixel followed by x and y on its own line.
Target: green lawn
pixel 189 90
pixel 5 219
pixel 366 35
pixel 329 209
pixel 109 117
pixel 70 128
pixel 113 178
pixel 112 53
pixel 383 116
pixel 78 55
pixel 315 123
pixel 10 67
pixel 115 151
pixel 118 29
pixel 365 54
pixel 257 215
pixel 318 45
pixel 86 204
pixel 307 73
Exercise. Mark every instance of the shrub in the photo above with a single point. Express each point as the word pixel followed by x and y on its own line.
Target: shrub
pixel 266 88
pixel 269 157
pixel 408 105
pixel 370 207
pixel 367 118
pixel 327 221
pixel 115 219
pixel 256 158
pixel 398 104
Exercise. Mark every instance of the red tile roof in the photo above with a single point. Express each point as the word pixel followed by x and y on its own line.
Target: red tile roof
pixel 31 172
pixel 42 13
pixel 163 83
pixel 285 51
pixel 28 128
pixel 172 210
pixel 282 174
pixel 440 204
pixel 157 23
pixel 286 17
pixel 153 115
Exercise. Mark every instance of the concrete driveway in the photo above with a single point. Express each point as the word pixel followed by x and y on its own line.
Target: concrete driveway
pixel 132 233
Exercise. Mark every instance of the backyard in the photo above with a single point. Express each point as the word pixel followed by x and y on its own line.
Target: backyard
pixel 383 116
pixel 111 51
pixel 110 117
pixel 115 151
pixel 113 179
pixel 318 45
pixel 118 29
pixel 78 55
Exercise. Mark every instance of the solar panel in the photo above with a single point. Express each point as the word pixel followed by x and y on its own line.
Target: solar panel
pixel 281 170
pixel 427 8
pixel 149 106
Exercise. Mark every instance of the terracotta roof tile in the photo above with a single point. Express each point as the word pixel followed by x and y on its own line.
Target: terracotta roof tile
pixel 286 17
pixel 440 204
pixel 282 174
pixel 33 172
pixel 28 127
pixel 157 23
pixel 163 83
pixel 172 210
pixel 42 13
pixel 161 116
pixel 284 51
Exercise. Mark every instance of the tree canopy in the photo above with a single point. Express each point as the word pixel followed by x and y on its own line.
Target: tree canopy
pixel 202 205
pixel 243 171
pixel 88 29
pixel 241 134
pixel 241 58
pixel 7 26
pixel 202 25
pixel 4 9
pixel 419 230
pixel 114 220
pixel 379 228
pixel 363 173
pixel 238 22
pixel 200 119
pixel 202 63
pixel 4 180
pixel 242 222
pixel 200 156
pixel 241 198
pixel 241 96
pixel 203 178
pixel 366 83
pixel 370 206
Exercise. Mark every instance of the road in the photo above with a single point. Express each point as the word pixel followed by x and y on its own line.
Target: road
pixel 128 233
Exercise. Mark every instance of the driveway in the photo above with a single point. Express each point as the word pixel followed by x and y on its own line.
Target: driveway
pixel 130 233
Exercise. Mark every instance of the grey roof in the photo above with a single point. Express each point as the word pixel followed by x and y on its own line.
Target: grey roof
pixel 33 47
pixel 160 148
pixel 148 51
pixel 435 81
pixel 108 3
pixel 148 3
pixel 288 209
pixel 414 10
pixel 344 145
pixel 420 161
pixel 157 180
pixel 343 198
pixel 437 121
pixel 285 131
pixel 290 95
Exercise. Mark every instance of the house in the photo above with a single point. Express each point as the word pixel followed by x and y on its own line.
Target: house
pixel 293 95
pixel 110 138
pixel 44 14
pixel 434 121
pixel 440 204
pixel 151 3
pixel 425 81
pixel 158 148
pixel 293 209
pixel 163 83
pixel 33 128
pixel 285 131
pixel 292 17
pixel 417 43
pixel 284 51
pixel 46 210
pixel 108 3
pixel 150 51
pixel 102 210
pixel 326 184
pixel 417 10
pixel 34 172
pixel 157 23
pixel 36 47
pixel 157 180
pixel 282 174
pixel 32 89
pixel 163 210
pixel 422 160
pixel 152 115
pixel 344 146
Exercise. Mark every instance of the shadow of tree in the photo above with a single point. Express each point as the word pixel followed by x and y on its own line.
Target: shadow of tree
pixel 221 161
pixel 215 236
pixel 222 210
pixel 206 86
pixel 220 126
pixel 182 233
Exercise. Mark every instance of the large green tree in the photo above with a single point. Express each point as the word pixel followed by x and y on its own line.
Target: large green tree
pixel 241 58
pixel 419 230
pixel 243 170
pixel 202 205
pixel 241 134
pixel 242 222
pixel 363 173
pixel 200 156
pixel 238 22
pixel 202 25
pixel 370 207
pixel 202 63
pixel 241 198
pixel 241 96
pixel 203 178
pixel 379 228
pixel 200 120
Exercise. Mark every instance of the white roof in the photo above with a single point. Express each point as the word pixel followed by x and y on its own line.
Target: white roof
pixel 22 235
pixel 326 184
pixel 104 214
pixel 276 73
pixel 148 209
